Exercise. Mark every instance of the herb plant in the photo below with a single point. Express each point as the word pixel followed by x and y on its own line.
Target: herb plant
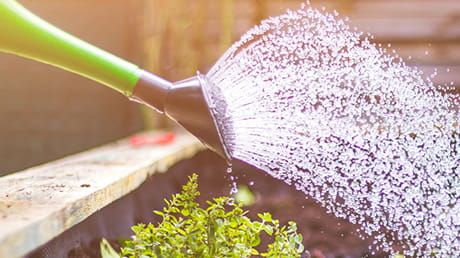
pixel 220 230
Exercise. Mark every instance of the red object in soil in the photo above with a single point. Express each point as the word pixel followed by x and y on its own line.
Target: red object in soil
pixel 159 139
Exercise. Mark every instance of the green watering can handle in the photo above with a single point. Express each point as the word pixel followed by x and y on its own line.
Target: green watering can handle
pixel 25 34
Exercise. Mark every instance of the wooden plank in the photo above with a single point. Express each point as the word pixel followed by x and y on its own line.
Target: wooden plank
pixel 446 75
pixel 409 29
pixel 427 53
pixel 387 20
pixel 38 204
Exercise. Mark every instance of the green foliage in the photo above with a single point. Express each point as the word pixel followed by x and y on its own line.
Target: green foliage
pixel 107 251
pixel 244 195
pixel 220 230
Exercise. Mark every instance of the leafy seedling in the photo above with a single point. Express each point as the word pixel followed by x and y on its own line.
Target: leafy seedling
pixel 219 230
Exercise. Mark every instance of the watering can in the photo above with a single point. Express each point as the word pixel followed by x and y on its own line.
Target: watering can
pixel 186 102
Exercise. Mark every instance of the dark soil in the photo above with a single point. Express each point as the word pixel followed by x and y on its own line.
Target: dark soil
pixel 324 235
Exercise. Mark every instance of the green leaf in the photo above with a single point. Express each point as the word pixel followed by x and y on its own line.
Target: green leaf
pixel 268 229
pixel 185 212
pixel 159 213
pixel 107 250
pixel 255 240
pixel 265 216
pixel 244 195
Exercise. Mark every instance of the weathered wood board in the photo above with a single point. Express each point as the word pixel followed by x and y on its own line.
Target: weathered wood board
pixel 39 203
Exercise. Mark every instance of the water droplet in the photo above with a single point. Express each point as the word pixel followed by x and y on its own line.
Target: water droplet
pixel 317 104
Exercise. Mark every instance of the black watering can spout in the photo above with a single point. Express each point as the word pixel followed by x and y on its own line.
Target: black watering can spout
pixel 188 103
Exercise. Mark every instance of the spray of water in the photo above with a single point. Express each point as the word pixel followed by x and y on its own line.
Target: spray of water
pixel 314 103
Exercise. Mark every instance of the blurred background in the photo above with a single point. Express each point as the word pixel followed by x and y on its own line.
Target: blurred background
pixel 47 113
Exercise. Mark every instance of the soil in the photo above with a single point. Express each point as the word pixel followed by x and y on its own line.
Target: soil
pixel 324 235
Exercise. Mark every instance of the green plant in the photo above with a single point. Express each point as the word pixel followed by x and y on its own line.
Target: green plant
pixel 220 230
